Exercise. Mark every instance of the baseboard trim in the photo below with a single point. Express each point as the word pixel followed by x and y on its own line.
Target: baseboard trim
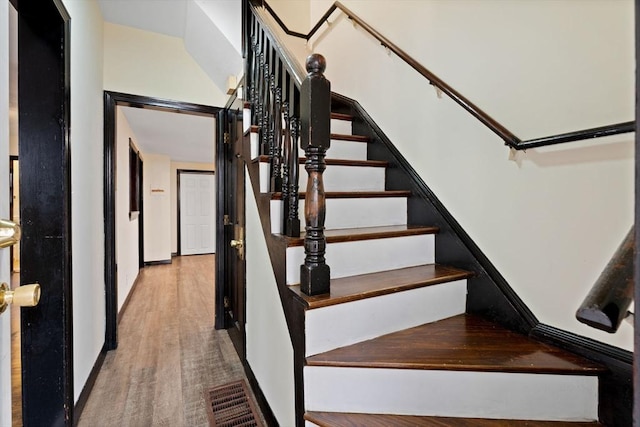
pixel 267 413
pixel 88 386
pixel 615 388
pixel 174 254
pixel 159 262
pixel 126 301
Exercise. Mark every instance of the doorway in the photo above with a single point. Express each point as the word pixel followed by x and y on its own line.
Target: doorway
pixel 196 212
pixel 158 187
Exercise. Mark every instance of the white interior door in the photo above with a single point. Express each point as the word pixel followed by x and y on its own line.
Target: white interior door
pixel 197 213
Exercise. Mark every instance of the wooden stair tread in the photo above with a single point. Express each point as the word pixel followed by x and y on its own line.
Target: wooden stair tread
pixel 460 343
pixel 342 116
pixel 367 233
pixel 338 162
pixel 341 419
pixel 352 138
pixel 352 194
pixel 370 285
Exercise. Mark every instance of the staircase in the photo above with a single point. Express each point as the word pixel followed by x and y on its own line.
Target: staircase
pixel 394 343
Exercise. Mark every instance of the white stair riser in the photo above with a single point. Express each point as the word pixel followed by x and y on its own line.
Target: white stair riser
pixel 341 149
pixel 344 324
pixel 335 178
pixel 254 145
pixel 348 178
pixel 246 119
pixel 343 127
pixel 351 213
pixel 367 256
pixel 451 393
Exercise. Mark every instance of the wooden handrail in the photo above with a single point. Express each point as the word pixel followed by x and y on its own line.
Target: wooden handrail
pixel 496 127
pixel 609 299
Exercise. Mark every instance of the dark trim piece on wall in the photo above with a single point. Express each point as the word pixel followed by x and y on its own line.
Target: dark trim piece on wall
pixel 111 101
pixel 261 399
pixel 178 213
pixel 125 304
pixel 158 262
pixel 88 386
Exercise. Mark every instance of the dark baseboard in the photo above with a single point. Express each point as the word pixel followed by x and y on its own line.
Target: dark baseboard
pixel 126 301
pixel 174 254
pixel 267 413
pixel 88 386
pixel 615 406
pixel 160 262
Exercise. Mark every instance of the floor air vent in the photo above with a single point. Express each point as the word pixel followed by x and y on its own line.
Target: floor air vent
pixel 230 406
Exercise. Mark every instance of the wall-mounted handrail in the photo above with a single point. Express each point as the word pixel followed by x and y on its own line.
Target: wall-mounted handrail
pixel 496 127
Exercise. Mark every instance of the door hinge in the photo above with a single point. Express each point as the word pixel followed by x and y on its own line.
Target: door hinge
pixel 226 220
pixel 227 138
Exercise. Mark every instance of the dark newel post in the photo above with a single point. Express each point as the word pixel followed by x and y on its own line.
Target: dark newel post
pixel 315 117
pixel 292 222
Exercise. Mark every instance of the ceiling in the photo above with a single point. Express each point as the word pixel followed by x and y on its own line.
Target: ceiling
pixel 181 136
pixel 211 32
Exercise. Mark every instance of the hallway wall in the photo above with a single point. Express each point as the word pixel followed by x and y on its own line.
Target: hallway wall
pixel 551 219
pixel 86 187
pixel 157 207
pixel 151 64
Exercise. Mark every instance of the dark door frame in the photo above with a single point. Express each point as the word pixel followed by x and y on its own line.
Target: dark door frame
pixel 178 217
pixel 45 178
pixel 111 101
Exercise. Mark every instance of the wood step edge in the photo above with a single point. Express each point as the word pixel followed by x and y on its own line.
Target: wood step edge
pixel 460 343
pixel 363 286
pixel 366 233
pixel 351 138
pixel 351 194
pixel 342 419
pixel 342 116
pixel 336 162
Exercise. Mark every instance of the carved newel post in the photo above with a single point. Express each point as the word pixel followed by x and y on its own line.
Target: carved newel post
pixel 315 137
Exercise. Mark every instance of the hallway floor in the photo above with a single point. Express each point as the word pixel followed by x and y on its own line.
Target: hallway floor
pixel 168 354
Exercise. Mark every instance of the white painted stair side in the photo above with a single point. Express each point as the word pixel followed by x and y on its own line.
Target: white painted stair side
pixel 339 325
pixel 336 178
pixel 341 149
pixel 351 213
pixel 451 393
pixel 367 256
pixel 342 127
pixel 348 178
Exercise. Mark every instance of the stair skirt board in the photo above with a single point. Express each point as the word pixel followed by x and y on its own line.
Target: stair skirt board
pixel 367 256
pixel 340 325
pixel 452 393
pixel 336 178
pixel 344 127
pixel 351 213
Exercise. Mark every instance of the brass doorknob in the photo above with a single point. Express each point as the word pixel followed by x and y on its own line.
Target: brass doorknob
pixel 9 233
pixel 237 243
pixel 23 296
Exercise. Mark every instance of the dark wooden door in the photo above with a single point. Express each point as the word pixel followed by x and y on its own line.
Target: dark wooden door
pixel 45 211
pixel 235 289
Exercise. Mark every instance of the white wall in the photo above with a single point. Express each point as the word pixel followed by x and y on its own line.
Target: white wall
pixel 86 187
pixel 551 220
pixel 127 256
pixel 5 273
pixel 157 207
pixel 269 349
pixel 150 64
pixel 174 194
pixel 294 13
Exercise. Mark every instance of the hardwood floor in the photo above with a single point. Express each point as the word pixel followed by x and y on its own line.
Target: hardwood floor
pixel 168 355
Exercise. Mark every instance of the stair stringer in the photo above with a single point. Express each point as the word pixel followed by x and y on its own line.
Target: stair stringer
pixel 488 293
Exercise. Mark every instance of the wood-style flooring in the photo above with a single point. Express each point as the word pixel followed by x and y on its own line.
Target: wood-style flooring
pixel 168 354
